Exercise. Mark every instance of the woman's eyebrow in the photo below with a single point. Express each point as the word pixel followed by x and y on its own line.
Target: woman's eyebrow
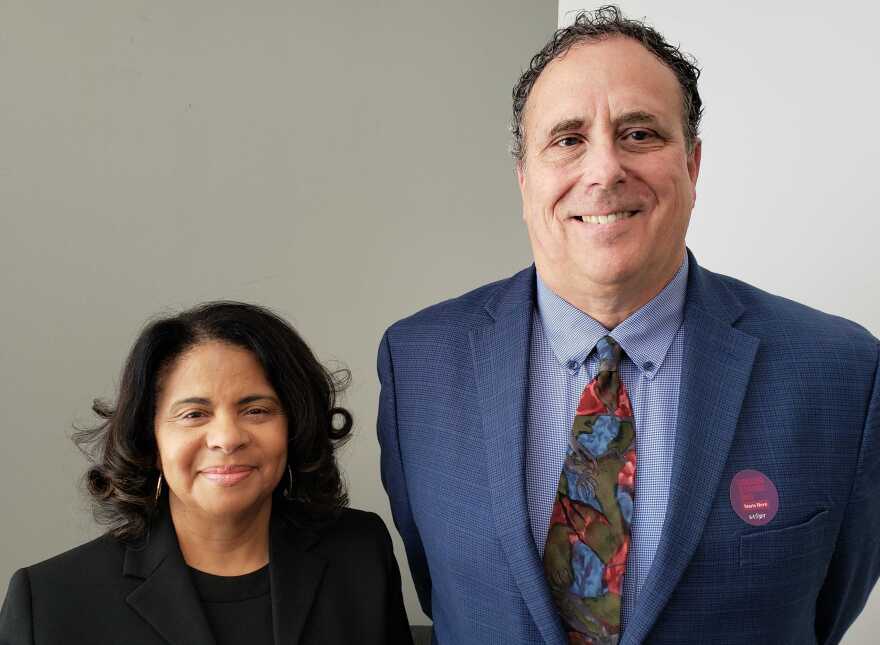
pixel 194 399
pixel 257 397
pixel 250 398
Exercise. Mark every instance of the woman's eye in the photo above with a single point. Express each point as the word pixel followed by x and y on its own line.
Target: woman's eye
pixel 256 411
pixel 192 414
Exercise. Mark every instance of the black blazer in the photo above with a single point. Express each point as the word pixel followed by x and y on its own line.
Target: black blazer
pixel 337 584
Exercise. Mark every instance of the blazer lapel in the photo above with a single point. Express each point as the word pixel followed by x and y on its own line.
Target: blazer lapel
pixel 715 375
pixel 166 599
pixel 501 355
pixel 295 575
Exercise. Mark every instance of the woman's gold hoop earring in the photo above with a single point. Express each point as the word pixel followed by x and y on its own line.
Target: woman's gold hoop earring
pixel 158 490
pixel 288 491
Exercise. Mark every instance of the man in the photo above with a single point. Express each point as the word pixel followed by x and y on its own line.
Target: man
pixel 616 445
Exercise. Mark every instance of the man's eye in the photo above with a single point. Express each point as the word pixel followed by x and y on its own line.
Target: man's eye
pixel 640 135
pixel 568 142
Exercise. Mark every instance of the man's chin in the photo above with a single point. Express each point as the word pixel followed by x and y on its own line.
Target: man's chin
pixel 608 270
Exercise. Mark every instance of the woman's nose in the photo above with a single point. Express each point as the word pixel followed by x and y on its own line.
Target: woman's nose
pixel 226 434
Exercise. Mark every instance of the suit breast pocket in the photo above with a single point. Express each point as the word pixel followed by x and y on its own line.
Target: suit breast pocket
pixel 808 540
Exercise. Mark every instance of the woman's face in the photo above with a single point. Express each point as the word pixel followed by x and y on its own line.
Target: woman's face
pixel 221 432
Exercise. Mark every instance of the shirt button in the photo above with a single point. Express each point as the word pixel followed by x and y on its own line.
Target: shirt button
pixel 648 366
pixel 573 366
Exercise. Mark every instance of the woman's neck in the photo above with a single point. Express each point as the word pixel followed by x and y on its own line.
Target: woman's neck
pixel 227 546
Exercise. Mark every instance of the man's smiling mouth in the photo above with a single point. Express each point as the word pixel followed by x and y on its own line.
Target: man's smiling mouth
pixel 610 218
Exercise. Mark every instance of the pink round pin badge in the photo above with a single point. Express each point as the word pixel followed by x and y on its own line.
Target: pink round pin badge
pixel 754 497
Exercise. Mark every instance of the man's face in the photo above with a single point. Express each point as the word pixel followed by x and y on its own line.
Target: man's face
pixel 607 181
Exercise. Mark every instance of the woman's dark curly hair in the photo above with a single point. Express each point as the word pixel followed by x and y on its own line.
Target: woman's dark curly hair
pixel 122 447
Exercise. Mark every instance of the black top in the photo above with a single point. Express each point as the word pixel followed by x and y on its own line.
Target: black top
pixel 238 608
pixel 335 584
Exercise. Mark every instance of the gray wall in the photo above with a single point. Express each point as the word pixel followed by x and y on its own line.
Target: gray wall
pixel 344 164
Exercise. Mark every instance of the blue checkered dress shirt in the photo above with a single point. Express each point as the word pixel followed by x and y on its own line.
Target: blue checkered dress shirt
pixel 562 363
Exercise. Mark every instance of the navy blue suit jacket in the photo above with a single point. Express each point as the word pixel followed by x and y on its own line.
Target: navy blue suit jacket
pixel 767 384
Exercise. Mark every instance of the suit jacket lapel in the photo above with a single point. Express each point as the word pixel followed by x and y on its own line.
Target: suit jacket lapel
pixel 715 375
pixel 295 575
pixel 501 355
pixel 166 599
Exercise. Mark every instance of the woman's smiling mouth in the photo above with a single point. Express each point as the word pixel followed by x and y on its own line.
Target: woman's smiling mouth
pixel 227 475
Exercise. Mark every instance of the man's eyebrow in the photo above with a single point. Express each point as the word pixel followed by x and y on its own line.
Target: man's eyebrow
pixel 638 116
pixel 627 118
pixel 567 125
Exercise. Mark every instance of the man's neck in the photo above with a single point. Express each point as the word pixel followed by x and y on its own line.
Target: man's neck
pixel 227 546
pixel 608 304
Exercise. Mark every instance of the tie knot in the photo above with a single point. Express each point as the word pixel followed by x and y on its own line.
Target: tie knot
pixel 609 354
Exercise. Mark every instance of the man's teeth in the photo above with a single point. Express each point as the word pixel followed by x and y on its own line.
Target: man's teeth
pixel 606 219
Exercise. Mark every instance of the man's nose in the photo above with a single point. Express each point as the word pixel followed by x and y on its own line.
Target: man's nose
pixel 226 434
pixel 603 167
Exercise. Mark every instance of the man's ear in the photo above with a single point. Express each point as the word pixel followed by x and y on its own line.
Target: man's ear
pixel 693 162
pixel 521 180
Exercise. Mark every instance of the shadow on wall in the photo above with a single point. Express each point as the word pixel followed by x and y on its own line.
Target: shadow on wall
pixel 421 634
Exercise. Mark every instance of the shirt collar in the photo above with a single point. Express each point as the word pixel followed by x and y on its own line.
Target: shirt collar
pixel 645 335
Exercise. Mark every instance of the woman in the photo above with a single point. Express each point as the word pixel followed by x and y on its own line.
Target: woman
pixel 215 472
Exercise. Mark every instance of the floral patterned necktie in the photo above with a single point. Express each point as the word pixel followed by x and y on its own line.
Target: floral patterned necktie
pixel 589 536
